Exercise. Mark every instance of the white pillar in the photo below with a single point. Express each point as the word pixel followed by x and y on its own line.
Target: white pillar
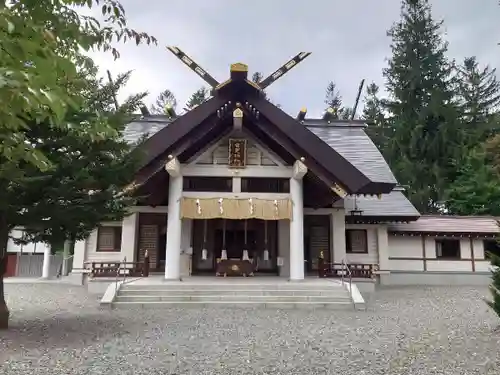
pixel 129 237
pixel 174 232
pixel 383 248
pixel 79 255
pixel 46 262
pixel 296 231
pixel 338 235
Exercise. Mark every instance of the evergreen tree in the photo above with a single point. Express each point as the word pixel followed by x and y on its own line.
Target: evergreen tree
pixel 426 138
pixel 478 93
pixel 495 284
pixel 84 183
pixel 333 100
pixel 164 100
pixel 476 190
pixel 373 113
pixel 199 96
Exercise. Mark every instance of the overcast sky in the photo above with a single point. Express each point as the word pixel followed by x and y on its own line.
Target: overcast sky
pixel 347 39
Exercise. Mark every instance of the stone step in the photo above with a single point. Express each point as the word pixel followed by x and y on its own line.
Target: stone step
pixel 237 304
pixel 235 298
pixel 248 292
pixel 233 287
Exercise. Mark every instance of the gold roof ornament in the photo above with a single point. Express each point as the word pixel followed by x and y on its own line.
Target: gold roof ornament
pixel 302 114
pixel 239 67
pixel 170 111
pixel 237 113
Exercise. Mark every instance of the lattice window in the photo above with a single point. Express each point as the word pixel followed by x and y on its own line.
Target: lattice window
pixel 109 239
pixel 356 241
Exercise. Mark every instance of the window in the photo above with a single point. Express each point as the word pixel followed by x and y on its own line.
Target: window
pixel 218 184
pixel 491 246
pixel 265 185
pixel 109 239
pixel 448 249
pixel 356 241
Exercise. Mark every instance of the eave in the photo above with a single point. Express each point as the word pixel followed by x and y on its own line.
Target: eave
pixel 320 158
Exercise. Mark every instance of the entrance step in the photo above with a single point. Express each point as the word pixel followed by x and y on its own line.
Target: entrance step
pixel 237 304
pixel 226 293
pixel 232 298
pixel 233 286
pixel 129 292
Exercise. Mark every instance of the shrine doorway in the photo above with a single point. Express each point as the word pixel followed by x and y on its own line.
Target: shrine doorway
pixel 258 237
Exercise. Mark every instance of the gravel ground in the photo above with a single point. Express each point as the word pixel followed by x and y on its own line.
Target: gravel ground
pixel 59 329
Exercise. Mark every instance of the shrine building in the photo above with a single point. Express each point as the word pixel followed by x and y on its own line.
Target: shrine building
pixel 238 187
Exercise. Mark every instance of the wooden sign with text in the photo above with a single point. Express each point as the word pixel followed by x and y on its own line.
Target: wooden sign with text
pixel 237 153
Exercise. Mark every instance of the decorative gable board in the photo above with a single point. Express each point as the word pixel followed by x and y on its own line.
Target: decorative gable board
pixel 220 154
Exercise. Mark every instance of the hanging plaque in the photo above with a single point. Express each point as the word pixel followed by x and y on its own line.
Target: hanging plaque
pixel 237 153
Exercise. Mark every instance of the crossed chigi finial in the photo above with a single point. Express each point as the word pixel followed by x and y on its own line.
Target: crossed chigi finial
pixel 195 67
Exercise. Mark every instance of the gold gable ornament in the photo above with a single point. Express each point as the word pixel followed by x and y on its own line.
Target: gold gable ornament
pixel 237 153
pixel 238 67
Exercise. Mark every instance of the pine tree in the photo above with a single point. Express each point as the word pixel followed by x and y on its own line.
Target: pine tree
pixel 373 113
pixel 495 284
pixel 199 96
pixel 426 137
pixel 476 190
pixel 333 100
pixel 478 93
pixel 164 100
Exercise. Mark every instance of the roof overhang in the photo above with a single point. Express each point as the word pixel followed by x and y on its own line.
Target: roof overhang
pixel 200 126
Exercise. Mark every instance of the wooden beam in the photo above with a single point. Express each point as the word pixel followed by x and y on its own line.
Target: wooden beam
pixel 224 171
pixel 202 194
pixel 285 68
pixel 191 64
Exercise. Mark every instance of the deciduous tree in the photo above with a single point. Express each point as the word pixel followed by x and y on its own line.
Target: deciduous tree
pixel 86 179
pixel 41 48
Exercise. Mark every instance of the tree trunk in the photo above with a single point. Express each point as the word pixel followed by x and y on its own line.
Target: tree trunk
pixel 4 238
pixel 4 311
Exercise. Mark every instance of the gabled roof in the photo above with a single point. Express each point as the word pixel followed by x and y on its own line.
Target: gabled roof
pixel 348 139
pixel 274 128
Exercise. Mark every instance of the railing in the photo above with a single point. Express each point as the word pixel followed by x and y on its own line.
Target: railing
pixel 347 270
pixel 117 269
pixel 358 270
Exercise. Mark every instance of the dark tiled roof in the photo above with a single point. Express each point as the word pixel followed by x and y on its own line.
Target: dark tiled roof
pixel 144 126
pixel 348 139
pixel 393 204
pixel 355 145
pixel 450 224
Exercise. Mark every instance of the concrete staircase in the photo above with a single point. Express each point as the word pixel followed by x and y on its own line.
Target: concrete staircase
pixel 328 294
